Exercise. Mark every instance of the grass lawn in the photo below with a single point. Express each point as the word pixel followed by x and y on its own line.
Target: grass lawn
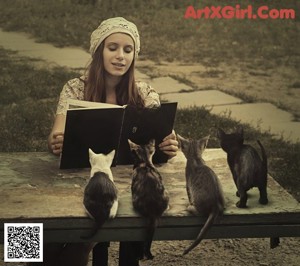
pixel 165 33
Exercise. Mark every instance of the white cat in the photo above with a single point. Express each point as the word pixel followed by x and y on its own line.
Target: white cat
pixel 100 194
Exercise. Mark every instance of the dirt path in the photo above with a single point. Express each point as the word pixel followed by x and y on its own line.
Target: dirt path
pixel 231 252
pixel 223 252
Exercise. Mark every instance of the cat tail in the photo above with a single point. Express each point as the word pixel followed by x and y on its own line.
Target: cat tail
pixel 264 158
pixel 210 220
pixel 150 233
pixel 98 222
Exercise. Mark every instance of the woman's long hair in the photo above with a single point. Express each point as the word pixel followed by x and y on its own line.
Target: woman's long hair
pixel 126 91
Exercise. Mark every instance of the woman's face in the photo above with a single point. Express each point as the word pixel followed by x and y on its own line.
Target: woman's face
pixel 118 54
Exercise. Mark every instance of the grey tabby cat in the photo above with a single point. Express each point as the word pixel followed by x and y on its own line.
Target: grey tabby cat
pixel 100 194
pixel 247 168
pixel 149 197
pixel 202 184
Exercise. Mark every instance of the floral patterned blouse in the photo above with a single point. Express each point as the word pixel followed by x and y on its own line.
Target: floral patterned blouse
pixel 74 89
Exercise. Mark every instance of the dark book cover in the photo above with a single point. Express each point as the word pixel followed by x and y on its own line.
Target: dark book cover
pixel 105 129
pixel 141 125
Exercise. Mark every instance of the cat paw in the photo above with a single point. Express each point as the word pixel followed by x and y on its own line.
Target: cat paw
pixel 263 201
pixel 241 205
pixel 148 256
pixel 191 209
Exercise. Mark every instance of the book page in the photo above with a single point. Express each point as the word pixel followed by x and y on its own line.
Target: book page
pixel 78 104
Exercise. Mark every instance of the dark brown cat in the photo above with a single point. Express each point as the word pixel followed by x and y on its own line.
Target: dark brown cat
pixel 203 188
pixel 247 168
pixel 148 193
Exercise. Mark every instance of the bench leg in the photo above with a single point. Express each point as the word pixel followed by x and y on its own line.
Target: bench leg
pixel 130 253
pixel 100 254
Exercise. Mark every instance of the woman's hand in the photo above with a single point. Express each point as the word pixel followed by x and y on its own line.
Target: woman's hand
pixel 56 142
pixel 169 145
pixel 56 137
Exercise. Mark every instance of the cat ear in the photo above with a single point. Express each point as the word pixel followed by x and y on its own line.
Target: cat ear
pixel 132 145
pixel 181 141
pixel 91 156
pixel 152 142
pixel 205 141
pixel 220 133
pixel 111 155
pixel 91 153
pixel 240 131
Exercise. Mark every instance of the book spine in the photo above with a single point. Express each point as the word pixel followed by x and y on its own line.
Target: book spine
pixel 120 137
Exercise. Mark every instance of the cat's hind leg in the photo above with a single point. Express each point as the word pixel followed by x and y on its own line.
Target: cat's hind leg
pixel 114 209
pixel 263 197
pixel 236 184
pixel 242 203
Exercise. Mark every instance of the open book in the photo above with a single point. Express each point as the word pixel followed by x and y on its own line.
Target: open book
pixel 104 127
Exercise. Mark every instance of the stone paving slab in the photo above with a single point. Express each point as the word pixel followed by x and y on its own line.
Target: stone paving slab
pixel 21 42
pixel 168 85
pixel 141 76
pixel 264 116
pixel 201 98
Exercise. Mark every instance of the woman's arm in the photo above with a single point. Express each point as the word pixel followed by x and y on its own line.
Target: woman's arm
pixel 169 145
pixel 56 137
pixel 73 89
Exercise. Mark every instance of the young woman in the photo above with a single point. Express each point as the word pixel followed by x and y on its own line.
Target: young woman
pixel 115 46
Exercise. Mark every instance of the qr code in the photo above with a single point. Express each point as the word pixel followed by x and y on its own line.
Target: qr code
pixel 23 242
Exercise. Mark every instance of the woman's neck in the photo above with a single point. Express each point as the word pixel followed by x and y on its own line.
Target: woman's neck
pixel 111 83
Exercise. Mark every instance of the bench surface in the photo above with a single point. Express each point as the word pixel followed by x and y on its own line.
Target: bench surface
pixel 34 189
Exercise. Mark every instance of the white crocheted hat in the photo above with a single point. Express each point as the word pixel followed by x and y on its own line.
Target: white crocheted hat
pixel 115 25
